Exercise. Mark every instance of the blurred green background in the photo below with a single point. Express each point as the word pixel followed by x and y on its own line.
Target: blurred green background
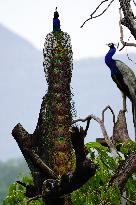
pixel 11 171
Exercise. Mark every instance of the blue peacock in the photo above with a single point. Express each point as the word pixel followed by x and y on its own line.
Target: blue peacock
pixel 124 78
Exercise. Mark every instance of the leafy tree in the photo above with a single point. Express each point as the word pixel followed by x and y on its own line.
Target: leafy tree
pixel 16 193
pixel 98 189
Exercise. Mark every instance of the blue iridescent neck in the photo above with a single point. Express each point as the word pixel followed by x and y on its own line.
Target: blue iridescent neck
pixel 56 22
pixel 108 57
pixel 56 25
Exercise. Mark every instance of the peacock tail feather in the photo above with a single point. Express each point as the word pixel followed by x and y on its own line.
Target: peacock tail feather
pixel 58 65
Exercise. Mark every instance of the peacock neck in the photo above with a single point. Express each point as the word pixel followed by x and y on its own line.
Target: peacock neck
pixel 111 63
pixel 108 57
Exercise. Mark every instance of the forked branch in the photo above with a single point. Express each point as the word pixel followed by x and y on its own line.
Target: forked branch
pixel 102 126
pixel 124 43
pixel 92 14
pixel 108 107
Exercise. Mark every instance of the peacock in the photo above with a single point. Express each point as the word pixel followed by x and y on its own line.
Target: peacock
pixel 124 78
pixel 56 22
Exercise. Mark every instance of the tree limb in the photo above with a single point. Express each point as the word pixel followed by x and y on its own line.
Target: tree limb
pixel 104 132
pixel 32 199
pixel 129 18
pixel 122 36
pixel 98 7
pixel 100 122
pixel 40 164
pixel 108 107
pixel 87 126
pixel 129 200
pixel 125 170
pixel 96 10
pixel 21 136
pixel 134 2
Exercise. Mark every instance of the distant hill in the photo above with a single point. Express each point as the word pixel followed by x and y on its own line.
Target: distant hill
pixel 22 86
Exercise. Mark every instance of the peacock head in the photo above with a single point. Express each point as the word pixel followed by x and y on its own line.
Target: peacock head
pixel 111 45
pixel 56 14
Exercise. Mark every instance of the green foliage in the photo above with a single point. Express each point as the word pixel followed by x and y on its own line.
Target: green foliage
pixel 131 188
pixel 10 171
pixel 97 191
pixel 16 194
pixel 127 147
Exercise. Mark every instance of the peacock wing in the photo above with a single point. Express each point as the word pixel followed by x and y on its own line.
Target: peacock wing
pixel 128 77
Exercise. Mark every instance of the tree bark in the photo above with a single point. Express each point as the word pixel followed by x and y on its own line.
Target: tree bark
pixel 125 170
pixel 129 18
pixel 120 131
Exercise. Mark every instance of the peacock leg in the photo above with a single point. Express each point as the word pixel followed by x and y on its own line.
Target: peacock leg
pixel 135 134
pixel 124 102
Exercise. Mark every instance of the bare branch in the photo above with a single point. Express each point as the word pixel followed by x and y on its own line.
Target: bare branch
pixel 85 22
pixel 122 35
pixel 22 137
pixel 97 119
pixel 38 161
pixel 104 9
pixel 108 107
pixel 32 199
pixel 87 126
pixel 98 7
pixel 129 200
pixel 100 122
pixel 130 59
pixel 92 17
pixel 103 129
pixel 125 170
pixel 134 2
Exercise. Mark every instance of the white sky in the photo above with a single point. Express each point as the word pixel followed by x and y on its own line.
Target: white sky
pixel 32 19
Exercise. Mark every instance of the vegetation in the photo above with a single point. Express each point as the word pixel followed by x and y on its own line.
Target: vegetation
pixel 11 171
pixel 97 190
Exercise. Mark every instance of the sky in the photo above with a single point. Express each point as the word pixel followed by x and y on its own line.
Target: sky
pixel 32 19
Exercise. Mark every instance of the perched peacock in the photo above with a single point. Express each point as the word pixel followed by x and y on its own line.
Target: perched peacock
pixel 58 65
pixel 124 78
